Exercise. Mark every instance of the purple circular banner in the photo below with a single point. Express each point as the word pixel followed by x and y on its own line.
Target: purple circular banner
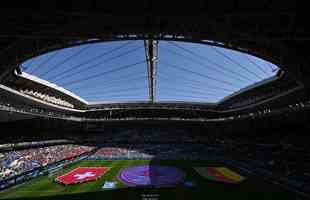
pixel 151 176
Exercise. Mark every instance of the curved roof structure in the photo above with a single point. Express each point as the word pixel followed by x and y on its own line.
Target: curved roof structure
pixel 48 84
pixel 134 70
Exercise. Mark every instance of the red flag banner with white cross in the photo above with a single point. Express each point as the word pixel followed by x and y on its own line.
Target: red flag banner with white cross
pixel 82 174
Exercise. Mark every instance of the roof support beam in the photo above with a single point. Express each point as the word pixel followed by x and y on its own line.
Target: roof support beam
pixel 151 53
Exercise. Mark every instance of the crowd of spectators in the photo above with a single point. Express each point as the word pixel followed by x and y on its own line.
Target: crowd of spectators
pixel 111 153
pixel 16 162
pixel 164 151
pixel 143 135
pixel 47 98
pixel 28 144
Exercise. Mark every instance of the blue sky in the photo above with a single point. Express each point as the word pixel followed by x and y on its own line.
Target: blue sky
pixel 117 71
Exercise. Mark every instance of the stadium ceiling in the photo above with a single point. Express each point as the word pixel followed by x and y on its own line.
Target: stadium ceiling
pixel 269 29
pixel 151 71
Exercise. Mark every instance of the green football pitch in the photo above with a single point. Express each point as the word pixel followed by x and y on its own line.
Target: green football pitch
pixel 45 187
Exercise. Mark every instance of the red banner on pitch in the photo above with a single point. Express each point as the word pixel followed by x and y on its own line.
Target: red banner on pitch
pixel 82 174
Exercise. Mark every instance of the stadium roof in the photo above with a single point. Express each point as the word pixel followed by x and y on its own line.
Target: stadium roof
pixel 124 71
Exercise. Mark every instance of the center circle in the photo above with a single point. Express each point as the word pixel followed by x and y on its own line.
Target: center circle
pixel 151 176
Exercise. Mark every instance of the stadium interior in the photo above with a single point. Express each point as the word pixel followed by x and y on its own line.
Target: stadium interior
pixel 154 100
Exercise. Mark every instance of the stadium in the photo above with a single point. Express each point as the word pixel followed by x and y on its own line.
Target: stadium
pixel 154 100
